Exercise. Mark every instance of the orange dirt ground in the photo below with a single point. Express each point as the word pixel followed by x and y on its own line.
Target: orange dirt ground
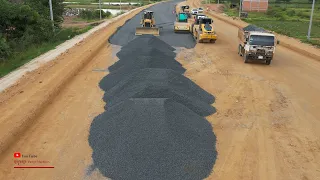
pixel 267 122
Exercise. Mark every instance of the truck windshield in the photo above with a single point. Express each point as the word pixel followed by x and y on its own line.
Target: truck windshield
pixel 261 40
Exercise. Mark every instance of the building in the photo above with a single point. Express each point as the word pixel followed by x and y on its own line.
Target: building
pixel 255 5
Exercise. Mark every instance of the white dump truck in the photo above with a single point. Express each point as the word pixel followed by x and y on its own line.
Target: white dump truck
pixel 256 44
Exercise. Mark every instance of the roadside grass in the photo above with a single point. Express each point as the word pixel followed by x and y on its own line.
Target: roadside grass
pixel 286 19
pixel 79 19
pixel 96 6
pixel 20 58
pixel 294 29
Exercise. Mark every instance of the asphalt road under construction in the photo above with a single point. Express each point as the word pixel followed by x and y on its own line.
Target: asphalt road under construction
pixel 164 18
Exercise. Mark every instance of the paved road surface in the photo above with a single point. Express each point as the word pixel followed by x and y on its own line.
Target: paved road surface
pixel 163 14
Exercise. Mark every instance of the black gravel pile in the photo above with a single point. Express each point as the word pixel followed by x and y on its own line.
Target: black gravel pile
pixel 148 41
pixel 152 139
pixel 127 69
pixel 160 61
pixel 154 125
pixel 161 83
pixel 146 45
pixel 149 51
pixel 254 28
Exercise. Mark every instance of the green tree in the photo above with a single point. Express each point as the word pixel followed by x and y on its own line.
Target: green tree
pixel 43 8
pixel 5 50
pixel 20 25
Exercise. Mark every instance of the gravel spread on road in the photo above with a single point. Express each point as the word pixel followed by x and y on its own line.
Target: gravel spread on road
pixel 154 124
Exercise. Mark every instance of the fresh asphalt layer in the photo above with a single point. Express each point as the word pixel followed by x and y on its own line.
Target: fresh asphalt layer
pixel 163 14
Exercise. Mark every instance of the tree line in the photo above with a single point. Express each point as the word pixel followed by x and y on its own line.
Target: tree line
pixel 26 22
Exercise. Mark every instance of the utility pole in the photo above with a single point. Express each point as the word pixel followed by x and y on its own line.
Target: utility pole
pixel 310 24
pixel 100 8
pixel 51 14
pixel 240 8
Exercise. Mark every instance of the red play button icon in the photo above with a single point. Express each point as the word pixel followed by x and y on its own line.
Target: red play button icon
pixel 17 155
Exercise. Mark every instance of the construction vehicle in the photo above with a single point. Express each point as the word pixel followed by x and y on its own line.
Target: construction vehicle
pixel 148 24
pixel 194 11
pixel 203 31
pixel 186 9
pixel 182 24
pixel 197 17
pixel 256 44
pixel 196 21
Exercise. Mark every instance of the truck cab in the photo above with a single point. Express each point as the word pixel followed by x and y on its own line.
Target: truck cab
pixel 256 45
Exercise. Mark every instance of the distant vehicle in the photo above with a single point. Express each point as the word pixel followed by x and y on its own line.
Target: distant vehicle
pixel 197 16
pixel 194 11
pixel 185 9
pixel 200 10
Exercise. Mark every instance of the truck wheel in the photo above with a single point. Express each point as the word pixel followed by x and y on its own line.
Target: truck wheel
pixel 268 62
pixel 198 38
pixel 194 37
pixel 245 58
pixel 239 50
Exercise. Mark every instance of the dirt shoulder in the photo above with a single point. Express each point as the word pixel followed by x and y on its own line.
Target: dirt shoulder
pixel 267 121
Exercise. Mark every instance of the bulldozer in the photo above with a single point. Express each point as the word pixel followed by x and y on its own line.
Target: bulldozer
pixel 203 30
pixel 148 24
